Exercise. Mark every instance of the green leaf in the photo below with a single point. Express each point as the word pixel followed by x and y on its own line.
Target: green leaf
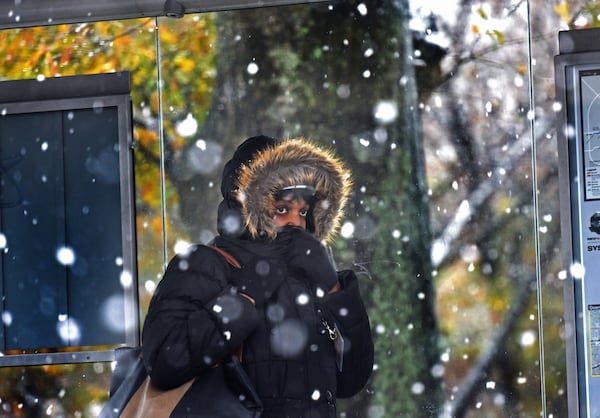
pixel 499 36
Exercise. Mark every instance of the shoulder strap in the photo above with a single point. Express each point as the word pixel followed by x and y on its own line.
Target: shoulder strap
pixel 230 259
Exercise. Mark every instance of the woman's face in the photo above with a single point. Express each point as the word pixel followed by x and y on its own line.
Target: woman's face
pixel 290 211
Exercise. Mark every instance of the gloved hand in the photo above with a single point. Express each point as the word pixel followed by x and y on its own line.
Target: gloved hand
pixel 258 278
pixel 307 257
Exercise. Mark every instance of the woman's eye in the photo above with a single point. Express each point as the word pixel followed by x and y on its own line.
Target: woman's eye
pixel 303 212
pixel 281 210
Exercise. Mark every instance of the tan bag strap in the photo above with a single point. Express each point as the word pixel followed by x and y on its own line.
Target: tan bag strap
pixel 230 259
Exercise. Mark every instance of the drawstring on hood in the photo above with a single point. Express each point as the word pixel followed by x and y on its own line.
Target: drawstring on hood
pixel 286 164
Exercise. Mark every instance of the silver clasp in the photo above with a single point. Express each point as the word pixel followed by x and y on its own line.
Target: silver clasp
pixel 332 331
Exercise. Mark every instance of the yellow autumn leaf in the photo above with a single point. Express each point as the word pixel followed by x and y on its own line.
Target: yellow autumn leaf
pixel 156 224
pixel 35 57
pixel 562 10
pixel 504 204
pixel 108 66
pixel 496 34
pixel 168 36
pixel 475 29
pixel 184 63
pixel 146 137
pixel 122 41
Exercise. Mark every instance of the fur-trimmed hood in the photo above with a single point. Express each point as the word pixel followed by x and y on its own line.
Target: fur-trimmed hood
pixel 288 163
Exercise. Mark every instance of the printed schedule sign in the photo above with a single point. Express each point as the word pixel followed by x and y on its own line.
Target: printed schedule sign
pixel 590 123
pixel 586 176
pixel 594 321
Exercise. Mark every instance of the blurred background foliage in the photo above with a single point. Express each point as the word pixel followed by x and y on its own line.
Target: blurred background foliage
pixel 430 106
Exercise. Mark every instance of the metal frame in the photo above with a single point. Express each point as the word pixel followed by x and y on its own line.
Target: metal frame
pixel 52 12
pixel 576 54
pixel 80 92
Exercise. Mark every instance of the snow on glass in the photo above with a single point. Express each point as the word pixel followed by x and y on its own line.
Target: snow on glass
pixel 187 127
pixel 252 68
pixel 528 338
pixel 577 270
pixel 65 255
pixel 289 338
pixel 205 157
pixel 68 329
pixel 386 112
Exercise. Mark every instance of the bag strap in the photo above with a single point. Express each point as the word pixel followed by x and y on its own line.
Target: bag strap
pixel 230 259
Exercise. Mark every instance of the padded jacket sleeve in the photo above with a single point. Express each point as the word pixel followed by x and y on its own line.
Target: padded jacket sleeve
pixel 194 319
pixel 348 309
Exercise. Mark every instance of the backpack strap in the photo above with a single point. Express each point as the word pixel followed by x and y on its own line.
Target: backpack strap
pixel 230 259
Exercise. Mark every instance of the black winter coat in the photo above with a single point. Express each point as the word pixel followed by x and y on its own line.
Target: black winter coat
pixel 196 318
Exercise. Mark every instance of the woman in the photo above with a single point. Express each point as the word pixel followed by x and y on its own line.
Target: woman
pixel 301 326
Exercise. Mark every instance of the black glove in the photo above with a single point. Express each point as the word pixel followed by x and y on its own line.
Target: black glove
pixel 258 278
pixel 307 257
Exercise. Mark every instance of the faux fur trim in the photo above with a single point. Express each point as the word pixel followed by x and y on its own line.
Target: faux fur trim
pixel 291 162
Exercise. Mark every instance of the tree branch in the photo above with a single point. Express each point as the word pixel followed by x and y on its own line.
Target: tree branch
pixel 441 246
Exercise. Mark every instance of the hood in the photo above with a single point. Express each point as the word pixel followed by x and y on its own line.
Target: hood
pixel 230 221
pixel 293 162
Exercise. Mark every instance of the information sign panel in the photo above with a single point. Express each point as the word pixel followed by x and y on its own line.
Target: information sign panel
pixel 577 76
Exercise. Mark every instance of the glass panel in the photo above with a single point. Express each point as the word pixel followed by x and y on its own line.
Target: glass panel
pixel 454 253
pixel 544 35
pixel 478 143
pixel 42 52
pixel 457 332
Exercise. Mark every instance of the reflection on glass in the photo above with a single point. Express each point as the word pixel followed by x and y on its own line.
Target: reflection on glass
pixel 433 114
